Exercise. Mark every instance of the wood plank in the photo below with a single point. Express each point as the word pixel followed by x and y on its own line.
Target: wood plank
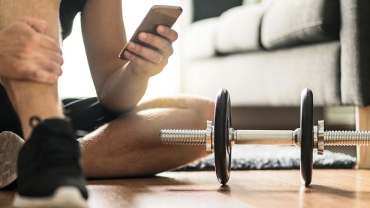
pixel 278 188
pixel 363 124
pixel 341 188
pixel 6 197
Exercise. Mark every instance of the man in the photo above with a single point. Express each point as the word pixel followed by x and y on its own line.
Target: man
pixel 120 135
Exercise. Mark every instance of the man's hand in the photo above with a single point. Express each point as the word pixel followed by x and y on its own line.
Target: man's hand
pixel 26 53
pixel 148 62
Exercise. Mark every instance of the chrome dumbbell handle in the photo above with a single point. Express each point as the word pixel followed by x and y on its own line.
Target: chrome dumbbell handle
pixel 188 137
pixel 198 137
pixel 182 137
pixel 266 137
pixel 347 138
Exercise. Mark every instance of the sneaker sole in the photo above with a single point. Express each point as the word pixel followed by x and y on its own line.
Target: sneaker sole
pixel 66 196
pixel 10 144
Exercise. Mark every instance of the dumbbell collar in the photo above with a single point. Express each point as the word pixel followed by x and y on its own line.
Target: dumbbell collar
pixel 209 137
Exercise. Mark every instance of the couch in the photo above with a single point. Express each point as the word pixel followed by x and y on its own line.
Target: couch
pixel 265 53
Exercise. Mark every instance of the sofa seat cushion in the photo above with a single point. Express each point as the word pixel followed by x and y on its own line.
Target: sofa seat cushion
pixel 238 29
pixel 292 22
pixel 269 78
pixel 199 39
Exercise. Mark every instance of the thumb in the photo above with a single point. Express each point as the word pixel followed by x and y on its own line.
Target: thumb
pixel 37 24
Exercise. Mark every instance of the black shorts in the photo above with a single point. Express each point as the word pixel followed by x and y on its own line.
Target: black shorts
pixel 85 114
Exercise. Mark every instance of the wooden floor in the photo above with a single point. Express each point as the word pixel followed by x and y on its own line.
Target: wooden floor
pixel 330 188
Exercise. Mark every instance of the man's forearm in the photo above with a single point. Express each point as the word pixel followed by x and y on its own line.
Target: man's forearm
pixel 123 90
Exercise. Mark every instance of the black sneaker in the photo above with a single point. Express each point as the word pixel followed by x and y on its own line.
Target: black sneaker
pixel 49 168
pixel 10 144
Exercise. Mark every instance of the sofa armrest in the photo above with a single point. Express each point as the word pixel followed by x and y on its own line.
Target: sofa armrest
pixel 355 52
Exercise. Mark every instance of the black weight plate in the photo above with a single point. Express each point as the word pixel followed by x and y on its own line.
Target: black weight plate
pixel 306 136
pixel 222 148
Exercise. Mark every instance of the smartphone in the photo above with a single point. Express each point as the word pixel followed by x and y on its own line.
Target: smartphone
pixel 157 15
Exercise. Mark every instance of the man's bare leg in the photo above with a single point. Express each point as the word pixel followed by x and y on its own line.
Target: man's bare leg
pixel 49 168
pixel 32 98
pixel 129 146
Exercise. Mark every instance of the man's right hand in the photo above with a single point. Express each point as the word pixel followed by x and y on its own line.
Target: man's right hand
pixel 26 53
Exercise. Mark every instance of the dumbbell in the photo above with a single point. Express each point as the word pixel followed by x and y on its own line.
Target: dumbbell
pixel 220 137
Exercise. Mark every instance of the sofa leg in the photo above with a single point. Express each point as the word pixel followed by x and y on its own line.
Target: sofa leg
pixel 363 124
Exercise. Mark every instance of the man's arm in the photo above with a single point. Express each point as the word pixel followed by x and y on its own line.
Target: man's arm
pixel 120 84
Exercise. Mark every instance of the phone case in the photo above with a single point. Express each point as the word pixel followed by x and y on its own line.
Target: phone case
pixel 157 15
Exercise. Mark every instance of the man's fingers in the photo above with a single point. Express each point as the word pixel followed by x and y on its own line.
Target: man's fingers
pixel 146 53
pixel 158 42
pixel 40 26
pixel 50 66
pixel 168 33
pixel 46 78
pixel 42 76
pixel 51 55
pixel 49 43
pixel 37 24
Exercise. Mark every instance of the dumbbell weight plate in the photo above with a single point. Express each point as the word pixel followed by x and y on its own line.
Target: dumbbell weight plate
pixel 306 136
pixel 222 148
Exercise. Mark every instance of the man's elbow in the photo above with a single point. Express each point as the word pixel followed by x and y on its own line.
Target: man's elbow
pixel 116 106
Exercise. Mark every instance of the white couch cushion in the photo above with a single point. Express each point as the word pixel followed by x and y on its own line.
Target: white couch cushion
pixel 199 39
pixel 293 22
pixel 238 29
